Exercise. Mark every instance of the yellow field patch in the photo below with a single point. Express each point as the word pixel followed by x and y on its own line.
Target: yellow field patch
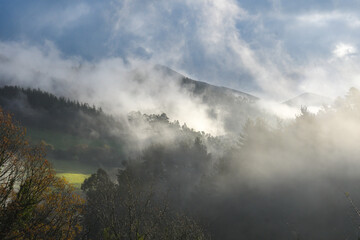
pixel 74 178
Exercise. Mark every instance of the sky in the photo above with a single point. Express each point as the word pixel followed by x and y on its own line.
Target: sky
pixel 274 49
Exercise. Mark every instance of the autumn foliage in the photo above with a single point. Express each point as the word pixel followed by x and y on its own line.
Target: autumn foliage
pixel 34 203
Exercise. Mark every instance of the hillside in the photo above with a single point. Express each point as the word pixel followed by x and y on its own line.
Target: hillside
pixel 229 106
pixel 39 109
pixel 210 94
pixel 80 138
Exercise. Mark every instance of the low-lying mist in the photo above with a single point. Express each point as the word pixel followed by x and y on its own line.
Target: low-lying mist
pixel 118 87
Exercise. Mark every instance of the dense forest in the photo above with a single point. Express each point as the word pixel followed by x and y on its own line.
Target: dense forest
pixel 74 131
pixel 39 109
pixel 295 180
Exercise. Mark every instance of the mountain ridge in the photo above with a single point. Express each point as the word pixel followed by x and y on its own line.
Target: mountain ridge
pixel 200 87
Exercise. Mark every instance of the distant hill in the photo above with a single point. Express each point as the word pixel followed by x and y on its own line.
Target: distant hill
pixel 309 100
pixel 210 93
pixel 232 107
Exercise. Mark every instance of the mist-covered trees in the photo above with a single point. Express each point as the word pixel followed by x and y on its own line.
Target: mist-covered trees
pixel 131 209
pixel 144 201
pixel 286 181
pixel 34 203
pixel 276 182
pixel 77 132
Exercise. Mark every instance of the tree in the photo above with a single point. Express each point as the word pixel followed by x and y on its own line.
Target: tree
pixel 34 203
pixel 131 210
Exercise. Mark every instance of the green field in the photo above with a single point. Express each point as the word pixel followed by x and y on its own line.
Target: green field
pixel 76 179
pixel 75 173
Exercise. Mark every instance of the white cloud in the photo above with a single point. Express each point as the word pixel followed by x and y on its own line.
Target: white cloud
pixel 325 18
pixel 331 77
pixel 342 50
pixel 206 40
pixel 208 30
